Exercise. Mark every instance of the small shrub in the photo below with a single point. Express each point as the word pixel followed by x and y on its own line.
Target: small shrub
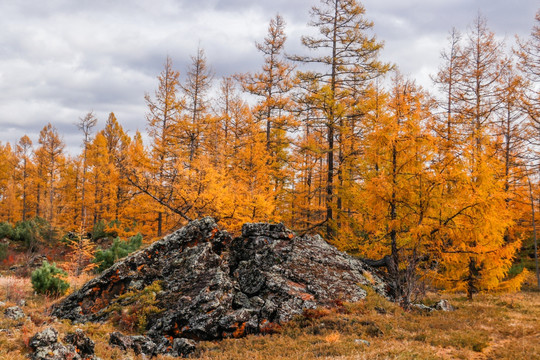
pixel 119 249
pixel 99 232
pixel 6 230
pixel 48 280
pixel 32 232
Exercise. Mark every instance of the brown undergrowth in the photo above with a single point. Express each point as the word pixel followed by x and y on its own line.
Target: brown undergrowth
pixel 489 327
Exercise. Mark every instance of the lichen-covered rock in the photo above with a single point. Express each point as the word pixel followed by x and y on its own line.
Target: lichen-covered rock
pixel 44 338
pixel 14 313
pixel 214 286
pixel 138 343
pixel 45 346
pixel 183 347
pixel 84 346
pixel 444 305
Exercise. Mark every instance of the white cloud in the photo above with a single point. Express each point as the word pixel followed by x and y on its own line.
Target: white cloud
pixel 60 59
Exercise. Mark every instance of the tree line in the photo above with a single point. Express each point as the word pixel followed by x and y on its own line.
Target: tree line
pixel 335 141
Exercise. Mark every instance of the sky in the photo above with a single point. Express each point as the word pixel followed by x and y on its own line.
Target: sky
pixel 60 59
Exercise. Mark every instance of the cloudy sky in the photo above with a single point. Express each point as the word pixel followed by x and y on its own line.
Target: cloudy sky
pixel 60 59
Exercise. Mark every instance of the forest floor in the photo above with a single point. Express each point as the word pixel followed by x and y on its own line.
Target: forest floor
pixel 505 326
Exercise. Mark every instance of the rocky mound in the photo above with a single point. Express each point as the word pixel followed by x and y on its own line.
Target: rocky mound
pixel 213 286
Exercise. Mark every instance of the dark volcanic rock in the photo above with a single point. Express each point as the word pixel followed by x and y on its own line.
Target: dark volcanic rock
pixel 138 343
pixel 83 345
pixel 45 346
pixel 214 286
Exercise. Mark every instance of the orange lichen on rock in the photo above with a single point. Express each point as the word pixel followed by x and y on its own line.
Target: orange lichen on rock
pixel 306 297
pixel 213 234
pixel 240 330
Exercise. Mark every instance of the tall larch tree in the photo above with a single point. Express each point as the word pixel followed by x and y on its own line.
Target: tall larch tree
pixel 253 194
pixel 398 194
pixel 139 211
pixel 164 116
pixel 196 119
pixel 51 154
pixel 85 125
pixel 446 79
pixel 272 86
pixel 471 244
pixel 307 210
pixel 348 54
pixel 8 191
pixel 528 52
pixel 117 144
pixel 24 152
pixel 512 139
pixel 224 108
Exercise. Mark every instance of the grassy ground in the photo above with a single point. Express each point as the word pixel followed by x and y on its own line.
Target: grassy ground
pixel 489 327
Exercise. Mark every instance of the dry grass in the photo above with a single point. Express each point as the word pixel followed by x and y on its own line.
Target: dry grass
pixel 13 289
pixel 489 327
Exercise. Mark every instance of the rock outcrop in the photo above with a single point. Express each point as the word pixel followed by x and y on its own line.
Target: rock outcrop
pixel 213 286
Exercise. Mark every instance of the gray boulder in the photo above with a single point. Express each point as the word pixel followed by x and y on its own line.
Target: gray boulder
pixel 14 313
pixel 444 305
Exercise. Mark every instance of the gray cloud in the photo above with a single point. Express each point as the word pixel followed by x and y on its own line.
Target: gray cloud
pixel 60 59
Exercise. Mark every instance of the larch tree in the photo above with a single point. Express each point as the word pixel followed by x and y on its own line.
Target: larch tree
pixel 512 138
pixel 117 144
pixel 225 104
pixel 446 79
pixel 253 194
pixel 529 63
pixel 272 86
pixel 474 255
pixel 51 153
pixel 164 115
pixel 24 152
pixel 348 55
pixel 98 181
pixel 8 193
pixel 307 205
pixel 399 187
pixel 195 118
pixel 85 125
pixel 82 248
pixel 139 210
pixel 528 53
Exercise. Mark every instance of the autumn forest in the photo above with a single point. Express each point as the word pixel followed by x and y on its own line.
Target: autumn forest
pixel 442 183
